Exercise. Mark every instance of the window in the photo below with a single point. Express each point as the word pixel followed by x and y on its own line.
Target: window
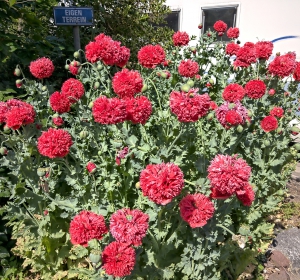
pixel 172 20
pixel 212 14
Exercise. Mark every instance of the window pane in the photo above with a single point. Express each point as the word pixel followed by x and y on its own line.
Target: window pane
pixel 225 14
pixel 173 20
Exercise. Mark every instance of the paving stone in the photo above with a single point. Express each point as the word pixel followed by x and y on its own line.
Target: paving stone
pixel 279 259
pixel 281 275
pixel 288 242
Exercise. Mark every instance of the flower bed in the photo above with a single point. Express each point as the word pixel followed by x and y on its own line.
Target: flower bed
pixel 163 172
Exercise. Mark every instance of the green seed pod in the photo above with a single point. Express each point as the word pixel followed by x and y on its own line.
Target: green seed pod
pixel 164 75
pixel 297 146
pixel 55 116
pixel 185 88
pixel 91 104
pixel 41 172
pixel 250 114
pixel 6 129
pixel 76 54
pixel 211 81
pixel 295 129
pixel 96 85
pixel 138 185
pixel 267 143
pixel 190 83
pixel 231 105
pixel 3 151
pixel 145 87
pixel 239 128
pixel 83 134
pixel 99 67
pixel 17 72
pixel 99 153
pixel 94 258
pixel 44 88
pixel 279 130
pixel 67 66
pixel 210 116
pixel 18 82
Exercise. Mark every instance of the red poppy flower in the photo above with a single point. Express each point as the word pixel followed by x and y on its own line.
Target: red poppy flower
pixel 255 89
pixel 73 89
pixel 233 118
pixel 109 110
pixel 296 74
pixel 269 123
pixel 220 26
pixel 150 56
pixel 127 83
pixel 129 226
pixel 283 65
pixel 222 111
pixel 228 174
pixel 138 109
pixel 87 226
pixel 41 68
pixel 189 107
pixel 161 182
pixel 54 143
pixel 232 48
pixel 233 92
pixel 181 39
pixel 246 196
pixel 196 209
pixel 118 259
pixel 188 68
pixel 60 103
pixel 263 49
pixel 245 56
pixel 233 33
pixel 91 167
pixel 58 121
pixel 277 112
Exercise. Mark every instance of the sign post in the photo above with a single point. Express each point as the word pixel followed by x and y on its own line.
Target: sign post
pixel 73 16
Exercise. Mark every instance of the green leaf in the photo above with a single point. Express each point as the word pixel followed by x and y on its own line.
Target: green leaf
pixel 131 141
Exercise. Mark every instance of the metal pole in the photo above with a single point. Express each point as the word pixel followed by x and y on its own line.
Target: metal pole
pixel 76 38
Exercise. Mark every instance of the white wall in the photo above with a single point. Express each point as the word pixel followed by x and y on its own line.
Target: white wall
pixel 256 19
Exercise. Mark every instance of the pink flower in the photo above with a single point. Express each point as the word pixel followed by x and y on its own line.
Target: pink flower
pixel 188 68
pixel 121 154
pixel 127 83
pixel 228 174
pixel 255 89
pixel 269 123
pixel 233 32
pixel 196 209
pixel 87 226
pixel 296 74
pixel 220 26
pixel 222 111
pixel 91 167
pixel 283 65
pixel 233 92
pixel 150 56
pixel 118 259
pixel 138 109
pixel 54 143
pixel 109 110
pixel 180 39
pixel 41 68
pixel 129 226
pixel 161 182
pixel 74 69
pixel 189 107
